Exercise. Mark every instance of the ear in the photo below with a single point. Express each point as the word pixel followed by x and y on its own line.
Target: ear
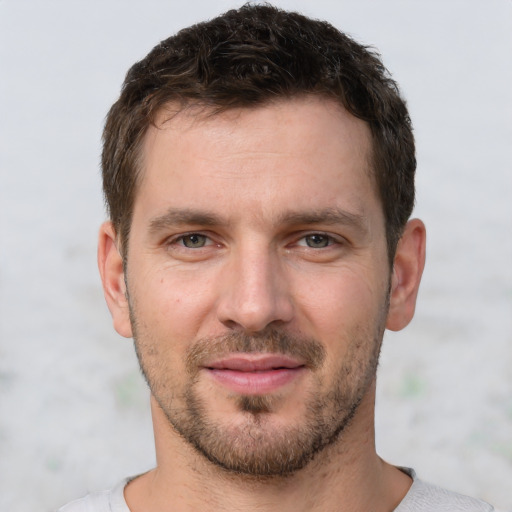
pixel 407 270
pixel 110 263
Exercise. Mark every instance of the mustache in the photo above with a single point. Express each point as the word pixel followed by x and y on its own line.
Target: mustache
pixel 271 341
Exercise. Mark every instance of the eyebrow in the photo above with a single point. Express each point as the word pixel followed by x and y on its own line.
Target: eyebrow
pixel 326 216
pixel 181 217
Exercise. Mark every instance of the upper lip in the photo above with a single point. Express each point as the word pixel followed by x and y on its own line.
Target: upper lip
pixel 254 362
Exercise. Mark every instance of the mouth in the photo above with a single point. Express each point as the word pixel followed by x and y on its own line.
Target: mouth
pixel 255 374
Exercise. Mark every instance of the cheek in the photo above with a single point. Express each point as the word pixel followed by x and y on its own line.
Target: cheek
pixel 347 316
pixel 339 298
pixel 173 302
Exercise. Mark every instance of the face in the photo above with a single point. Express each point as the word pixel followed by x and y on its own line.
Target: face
pixel 257 280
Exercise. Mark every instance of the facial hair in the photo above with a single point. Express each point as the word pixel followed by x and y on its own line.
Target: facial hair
pixel 259 446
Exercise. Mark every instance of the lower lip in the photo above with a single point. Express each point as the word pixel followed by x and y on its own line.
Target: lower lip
pixel 258 382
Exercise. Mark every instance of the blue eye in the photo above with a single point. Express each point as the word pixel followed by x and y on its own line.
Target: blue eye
pixel 317 241
pixel 194 241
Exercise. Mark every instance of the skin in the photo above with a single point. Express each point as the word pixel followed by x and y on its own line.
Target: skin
pixel 257 189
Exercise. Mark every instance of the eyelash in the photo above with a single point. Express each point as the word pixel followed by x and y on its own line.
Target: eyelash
pixel 329 239
pixel 181 240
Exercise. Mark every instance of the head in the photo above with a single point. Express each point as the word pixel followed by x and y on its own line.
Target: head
pixel 247 58
pixel 258 170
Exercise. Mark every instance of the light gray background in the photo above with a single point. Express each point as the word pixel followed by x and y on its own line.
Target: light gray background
pixel 73 408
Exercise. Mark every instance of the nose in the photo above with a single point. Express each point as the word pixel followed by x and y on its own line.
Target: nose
pixel 255 291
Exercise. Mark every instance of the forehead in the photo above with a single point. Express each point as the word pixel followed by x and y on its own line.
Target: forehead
pixel 303 116
pixel 302 150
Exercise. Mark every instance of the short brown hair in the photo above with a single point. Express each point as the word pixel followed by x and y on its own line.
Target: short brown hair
pixel 246 58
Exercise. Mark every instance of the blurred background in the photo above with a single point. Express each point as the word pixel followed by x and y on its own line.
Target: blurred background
pixel 74 412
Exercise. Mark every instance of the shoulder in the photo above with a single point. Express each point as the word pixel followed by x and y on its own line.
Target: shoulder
pixel 424 497
pixel 111 500
pixel 96 502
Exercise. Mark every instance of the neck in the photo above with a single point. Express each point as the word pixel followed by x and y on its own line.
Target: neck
pixel 346 476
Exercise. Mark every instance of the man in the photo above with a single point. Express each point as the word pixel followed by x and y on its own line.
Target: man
pixel 259 175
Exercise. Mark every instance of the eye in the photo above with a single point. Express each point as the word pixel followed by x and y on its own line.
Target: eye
pixel 317 241
pixel 193 240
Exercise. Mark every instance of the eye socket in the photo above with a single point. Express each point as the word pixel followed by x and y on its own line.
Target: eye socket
pixel 194 240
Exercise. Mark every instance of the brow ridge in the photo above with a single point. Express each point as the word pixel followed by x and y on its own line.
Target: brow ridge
pixel 191 216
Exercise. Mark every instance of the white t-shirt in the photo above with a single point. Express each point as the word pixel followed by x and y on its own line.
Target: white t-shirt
pixel 422 497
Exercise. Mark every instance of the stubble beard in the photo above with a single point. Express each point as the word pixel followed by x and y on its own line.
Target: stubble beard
pixel 258 446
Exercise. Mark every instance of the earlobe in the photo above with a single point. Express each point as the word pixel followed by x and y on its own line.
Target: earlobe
pixel 406 276
pixel 110 263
